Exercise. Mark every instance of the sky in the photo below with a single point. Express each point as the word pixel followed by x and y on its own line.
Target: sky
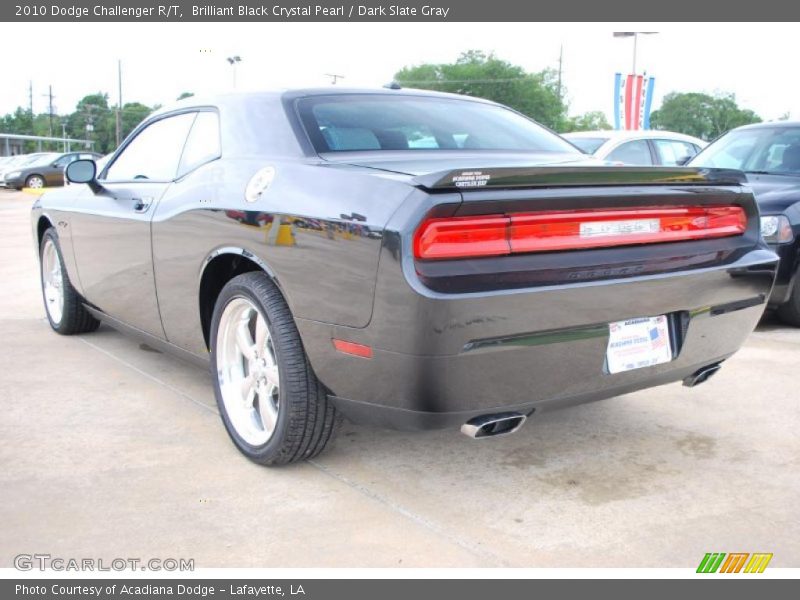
pixel 161 60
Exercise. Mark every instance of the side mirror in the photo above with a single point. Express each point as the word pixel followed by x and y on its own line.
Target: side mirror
pixel 683 160
pixel 83 171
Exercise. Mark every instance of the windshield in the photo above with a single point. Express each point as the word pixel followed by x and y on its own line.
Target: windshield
pixel 359 122
pixel 38 159
pixel 764 150
pixel 587 144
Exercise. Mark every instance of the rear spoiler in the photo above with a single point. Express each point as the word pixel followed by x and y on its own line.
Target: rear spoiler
pixel 565 176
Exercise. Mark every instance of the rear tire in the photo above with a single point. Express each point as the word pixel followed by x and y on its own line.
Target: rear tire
pixel 789 311
pixel 273 407
pixel 62 304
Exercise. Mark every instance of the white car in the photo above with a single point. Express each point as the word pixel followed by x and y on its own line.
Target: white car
pixel 649 147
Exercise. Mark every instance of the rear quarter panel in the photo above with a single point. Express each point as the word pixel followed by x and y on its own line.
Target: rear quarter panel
pixel 325 262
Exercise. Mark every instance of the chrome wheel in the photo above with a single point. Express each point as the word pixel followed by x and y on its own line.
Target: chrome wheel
pixel 247 369
pixel 52 282
pixel 35 182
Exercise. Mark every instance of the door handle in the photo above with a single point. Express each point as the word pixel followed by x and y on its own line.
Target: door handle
pixel 141 204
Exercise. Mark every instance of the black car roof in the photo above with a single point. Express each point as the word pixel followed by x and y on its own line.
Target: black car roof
pixel 232 98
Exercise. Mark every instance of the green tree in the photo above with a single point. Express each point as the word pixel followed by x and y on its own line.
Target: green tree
pixel 476 73
pixel 133 113
pixel 701 115
pixel 185 95
pixel 591 121
pixel 91 110
pixel 94 120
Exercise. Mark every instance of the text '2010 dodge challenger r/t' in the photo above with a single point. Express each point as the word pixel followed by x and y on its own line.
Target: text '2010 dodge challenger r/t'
pixel 404 258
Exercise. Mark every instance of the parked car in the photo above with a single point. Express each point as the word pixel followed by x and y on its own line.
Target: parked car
pixel 495 272
pixel 46 170
pixel 20 160
pixel 642 147
pixel 769 154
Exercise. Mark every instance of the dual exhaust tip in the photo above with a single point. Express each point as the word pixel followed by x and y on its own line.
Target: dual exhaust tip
pixel 486 426
pixel 702 375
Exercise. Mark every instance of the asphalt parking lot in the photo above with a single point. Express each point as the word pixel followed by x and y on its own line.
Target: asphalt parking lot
pixel 111 449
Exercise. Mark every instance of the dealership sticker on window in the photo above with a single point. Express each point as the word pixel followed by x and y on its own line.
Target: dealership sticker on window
pixel 638 343
pixel 471 179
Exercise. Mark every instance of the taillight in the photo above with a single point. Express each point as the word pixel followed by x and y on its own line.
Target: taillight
pixel 463 236
pixel 495 235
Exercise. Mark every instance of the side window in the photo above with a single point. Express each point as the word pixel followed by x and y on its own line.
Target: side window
pixel 155 152
pixel 64 160
pixel 636 152
pixel 672 151
pixel 203 143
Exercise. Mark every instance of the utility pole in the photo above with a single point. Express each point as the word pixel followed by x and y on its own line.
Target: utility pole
pixel 30 104
pixel 560 67
pixel 334 77
pixel 119 102
pixel 50 97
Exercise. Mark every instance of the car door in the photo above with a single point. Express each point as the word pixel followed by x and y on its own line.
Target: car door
pixel 54 174
pixel 111 228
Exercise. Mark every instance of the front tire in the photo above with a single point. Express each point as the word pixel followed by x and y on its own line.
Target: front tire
pixel 35 182
pixel 63 305
pixel 273 407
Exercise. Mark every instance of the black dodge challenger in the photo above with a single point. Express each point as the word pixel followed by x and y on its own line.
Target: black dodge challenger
pixel 409 259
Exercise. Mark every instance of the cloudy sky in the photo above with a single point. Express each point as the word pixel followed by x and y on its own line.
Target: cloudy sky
pixel 159 61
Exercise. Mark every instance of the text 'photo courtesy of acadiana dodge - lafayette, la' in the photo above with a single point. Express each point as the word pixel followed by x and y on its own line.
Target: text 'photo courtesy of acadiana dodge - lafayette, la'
pixel 148 589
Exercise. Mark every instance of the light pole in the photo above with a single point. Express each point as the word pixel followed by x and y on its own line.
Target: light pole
pixel 232 61
pixel 334 77
pixel 635 35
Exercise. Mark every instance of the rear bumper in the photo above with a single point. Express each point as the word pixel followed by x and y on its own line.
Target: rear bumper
pixel 439 359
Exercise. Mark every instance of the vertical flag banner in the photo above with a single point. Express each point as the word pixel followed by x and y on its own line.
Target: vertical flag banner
pixel 647 100
pixel 633 100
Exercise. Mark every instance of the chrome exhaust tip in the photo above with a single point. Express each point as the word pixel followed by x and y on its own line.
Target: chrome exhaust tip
pixel 702 375
pixel 486 426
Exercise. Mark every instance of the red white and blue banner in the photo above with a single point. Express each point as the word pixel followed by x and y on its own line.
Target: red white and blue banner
pixel 633 98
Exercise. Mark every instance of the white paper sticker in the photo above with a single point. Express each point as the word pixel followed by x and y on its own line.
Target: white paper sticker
pixel 638 343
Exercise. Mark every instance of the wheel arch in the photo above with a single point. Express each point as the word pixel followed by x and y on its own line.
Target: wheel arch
pixel 219 267
pixel 39 175
pixel 42 224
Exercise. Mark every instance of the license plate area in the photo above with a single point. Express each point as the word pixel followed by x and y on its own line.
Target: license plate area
pixel 640 342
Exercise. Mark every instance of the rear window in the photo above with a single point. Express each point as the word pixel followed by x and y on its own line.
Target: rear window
pixel 363 122
pixel 588 144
